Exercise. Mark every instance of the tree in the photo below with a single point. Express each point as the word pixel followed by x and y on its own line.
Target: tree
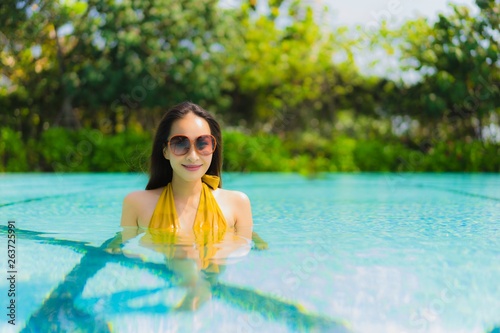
pixel 104 62
pixel 458 61
pixel 284 78
pixel 34 65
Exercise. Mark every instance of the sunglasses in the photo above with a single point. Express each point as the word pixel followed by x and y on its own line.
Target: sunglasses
pixel 180 144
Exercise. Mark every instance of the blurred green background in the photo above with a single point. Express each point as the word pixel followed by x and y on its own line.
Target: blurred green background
pixel 83 84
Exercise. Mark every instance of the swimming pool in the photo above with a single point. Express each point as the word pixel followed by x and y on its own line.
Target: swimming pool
pixel 358 252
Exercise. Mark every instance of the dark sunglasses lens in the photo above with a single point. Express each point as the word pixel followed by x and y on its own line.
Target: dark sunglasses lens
pixel 205 144
pixel 180 145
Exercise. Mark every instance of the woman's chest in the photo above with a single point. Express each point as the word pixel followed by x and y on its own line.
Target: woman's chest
pixel 187 212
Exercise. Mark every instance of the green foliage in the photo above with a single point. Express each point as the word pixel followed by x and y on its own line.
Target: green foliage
pixel 311 154
pixel 58 151
pixel 458 156
pixel 152 53
pixel 107 70
pixel 124 152
pixel 254 153
pixel 12 151
pixel 87 150
pixel 285 80
pixel 458 60
pixel 378 155
pixel 75 62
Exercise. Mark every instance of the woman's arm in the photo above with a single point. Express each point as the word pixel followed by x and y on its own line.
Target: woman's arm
pixel 129 211
pixel 128 224
pixel 243 215
pixel 244 222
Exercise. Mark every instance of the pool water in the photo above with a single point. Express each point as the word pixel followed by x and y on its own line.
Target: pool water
pixel 346 253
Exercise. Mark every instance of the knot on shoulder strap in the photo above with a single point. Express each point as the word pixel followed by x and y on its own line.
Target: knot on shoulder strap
pixel 211 181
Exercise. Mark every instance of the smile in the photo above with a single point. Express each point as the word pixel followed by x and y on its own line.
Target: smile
pixel 192 167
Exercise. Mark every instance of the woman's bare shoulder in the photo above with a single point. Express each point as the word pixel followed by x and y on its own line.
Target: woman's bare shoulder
pixel 240 206
pixel 141 195
pixel 138 205
pixel 236 197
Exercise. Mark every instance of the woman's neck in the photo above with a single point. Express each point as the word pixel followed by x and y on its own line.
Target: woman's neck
pixel 186 189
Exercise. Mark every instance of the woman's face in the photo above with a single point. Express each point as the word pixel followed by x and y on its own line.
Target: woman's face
pixel 191 166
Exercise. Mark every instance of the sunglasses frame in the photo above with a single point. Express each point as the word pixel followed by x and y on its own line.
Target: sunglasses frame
pixel 192 143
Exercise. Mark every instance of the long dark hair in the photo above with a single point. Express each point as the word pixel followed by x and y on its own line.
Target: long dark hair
pixel 160 170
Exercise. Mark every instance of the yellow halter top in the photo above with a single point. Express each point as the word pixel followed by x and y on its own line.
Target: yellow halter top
pixel 209 225
pixel 208 217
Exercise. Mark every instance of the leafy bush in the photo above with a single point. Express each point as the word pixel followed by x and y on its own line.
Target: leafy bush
pixel 376 155
pixel 254 153
pixel 87 150
pixel 12 151
pixel 125 152
pixel 61 151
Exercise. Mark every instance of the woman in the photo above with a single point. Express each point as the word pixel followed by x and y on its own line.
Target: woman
pixel 187 146
pixel 184 205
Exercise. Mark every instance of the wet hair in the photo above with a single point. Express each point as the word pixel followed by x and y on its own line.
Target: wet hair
pixel 160 170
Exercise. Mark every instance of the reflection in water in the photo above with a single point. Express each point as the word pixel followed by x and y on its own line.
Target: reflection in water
pixel 195 257
pixel 58 312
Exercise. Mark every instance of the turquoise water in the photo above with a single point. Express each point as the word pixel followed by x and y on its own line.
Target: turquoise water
pixel 378 252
